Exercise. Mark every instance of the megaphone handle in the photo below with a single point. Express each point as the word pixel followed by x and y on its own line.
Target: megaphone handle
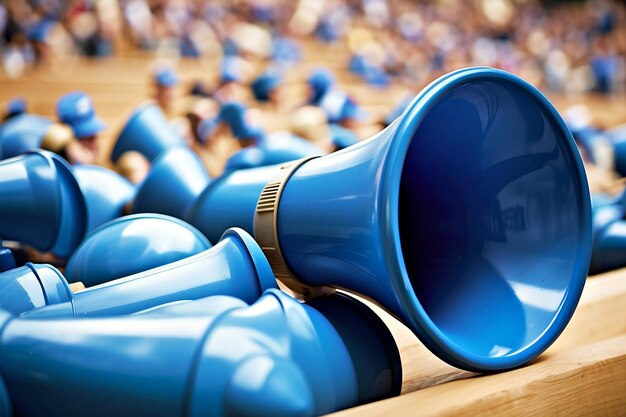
pixel 266 231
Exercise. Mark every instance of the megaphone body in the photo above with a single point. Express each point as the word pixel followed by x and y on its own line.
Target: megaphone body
pixel 273 149
pixel 235 267
pixel 175 180
pixel 133 244
pixel 41 203
pixel 147 132
pixel 106 193
pixel 458 218
pixel 276 358
pixel 609 234
pixel 617 137
pixel 22 133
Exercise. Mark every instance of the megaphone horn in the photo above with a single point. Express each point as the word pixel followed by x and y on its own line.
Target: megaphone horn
pixel 133 244
pixel 106 193
pixel 468 218
pixel 235 266
pixel 176 179
pixel 162 363
pixel 147 132
pixel 42 204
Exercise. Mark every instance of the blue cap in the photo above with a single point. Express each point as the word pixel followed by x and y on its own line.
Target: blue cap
pixel 77 111
pixel 320 82
pixel 165 77
pixel 206 128
pixel 229 71
pixel 285 50
pixel 351 111
pixel 233 114
pixel 16 106
pixel 342 137
pixel 264 84
pixel 358 64
pixel 41 29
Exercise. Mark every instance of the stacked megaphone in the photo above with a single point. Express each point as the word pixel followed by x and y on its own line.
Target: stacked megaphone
pixel 468 218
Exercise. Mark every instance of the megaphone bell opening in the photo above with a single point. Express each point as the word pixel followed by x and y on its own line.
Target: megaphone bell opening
pixel 490 221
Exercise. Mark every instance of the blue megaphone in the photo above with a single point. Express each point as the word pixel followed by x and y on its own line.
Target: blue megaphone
pixel 106 193
pixel 617 137
pixel 468 218
pixel 41 203
pixel 147 132
pixel 235 266
pixel 175 180
pixel 22 133
pixel 277 357
pixel 130 245
pixel 609 234
pixel 5 401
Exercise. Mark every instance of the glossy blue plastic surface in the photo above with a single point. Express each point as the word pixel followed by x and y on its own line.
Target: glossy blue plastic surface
pixel 176 179
pixel 133 244
pixel 41 203
pixel 468 218
pixel 618 139
pixel 32 286
pixel 276 357
pixel 147 132
pixel 609 235
pixel 235 266
pixel 230 200
pixel 106 193
pixel 5 401
pixel 22 133
pixel 7 260
pixel 273 149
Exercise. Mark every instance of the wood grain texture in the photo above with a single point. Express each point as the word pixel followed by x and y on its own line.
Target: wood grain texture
pixel 582 373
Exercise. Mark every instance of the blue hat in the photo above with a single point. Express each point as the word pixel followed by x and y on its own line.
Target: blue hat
pixel 229 71
pixel 76 110
pixel 16 106
pixel 233 114
pixel 358 64
pixel 285 50
pixel 320 82
pixel 351 110
pixel 40 30
pixel 264 84
pixel 342 137
pixel 165 77
pixel 206 128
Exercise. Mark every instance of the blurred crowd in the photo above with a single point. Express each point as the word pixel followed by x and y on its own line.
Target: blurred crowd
pixel 562 46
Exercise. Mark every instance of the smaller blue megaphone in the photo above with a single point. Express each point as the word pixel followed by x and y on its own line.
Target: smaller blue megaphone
pixel 235 266
pixel 106 193
pixel 219 357
pixel 175 180
pixel 132 244
pixel 41 203
pixel 609 234
pixel 22 133
pixel 272 149
pixel 147 132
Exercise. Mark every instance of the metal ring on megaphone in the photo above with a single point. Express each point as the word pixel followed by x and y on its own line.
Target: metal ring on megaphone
pixel 266 230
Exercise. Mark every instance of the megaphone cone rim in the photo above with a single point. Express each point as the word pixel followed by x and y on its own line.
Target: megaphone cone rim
pixel 141 107
pixel 265 275
pixel 388 199
pixel 77 212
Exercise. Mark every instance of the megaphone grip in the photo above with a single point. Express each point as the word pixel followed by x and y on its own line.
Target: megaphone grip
pixel 266 232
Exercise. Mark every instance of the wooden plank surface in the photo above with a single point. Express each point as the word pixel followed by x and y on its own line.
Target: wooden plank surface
pixel 582 373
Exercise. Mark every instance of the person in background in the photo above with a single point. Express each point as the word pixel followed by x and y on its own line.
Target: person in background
pixel 76 110
pixel 164 81
pixel 15 107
